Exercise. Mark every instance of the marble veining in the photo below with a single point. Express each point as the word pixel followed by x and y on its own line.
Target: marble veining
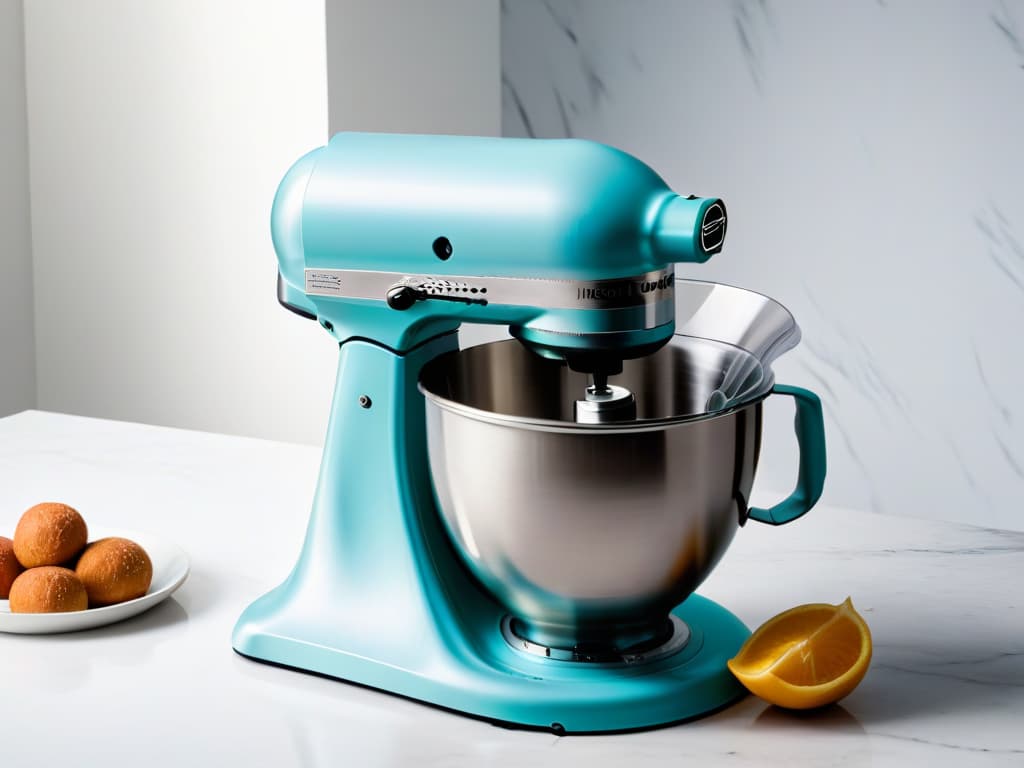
pixel 750 18
pixel 947 745
pixel 1007 26
pixel 853 361
pixel 563 115
pixel 871 158
pixel 510 94
pixel 1004 249
pixel 1001 408
pixel 562 25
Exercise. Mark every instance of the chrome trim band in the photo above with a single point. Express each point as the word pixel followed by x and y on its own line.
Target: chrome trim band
pixel 647 289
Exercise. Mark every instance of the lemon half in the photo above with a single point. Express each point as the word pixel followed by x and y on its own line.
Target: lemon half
pixel 806 657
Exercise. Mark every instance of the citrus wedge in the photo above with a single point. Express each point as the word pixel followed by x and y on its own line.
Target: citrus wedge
pixel 806 657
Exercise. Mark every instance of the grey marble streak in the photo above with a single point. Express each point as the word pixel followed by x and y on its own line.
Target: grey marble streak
pixel 1007 254
pixel 944 745
pixel 635 60
pixel 823 383
pixel 1004 250
pixel 510 95
pixel 968 474
pixel 1007 26
pixel 749 19
pixel 853 360
pixel 946 675
pixel 560 23
pixel 874 499
pixel 596 87
pixel 871 159
pixel 563 115
pixel 1009 455
pixel 1001 408
pixel 557 29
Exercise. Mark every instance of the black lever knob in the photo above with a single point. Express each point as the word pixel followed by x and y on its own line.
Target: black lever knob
pixel 401 297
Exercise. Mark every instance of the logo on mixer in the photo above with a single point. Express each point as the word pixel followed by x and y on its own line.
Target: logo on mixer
pixel 712 228
pixel 666 281
pixel 624 293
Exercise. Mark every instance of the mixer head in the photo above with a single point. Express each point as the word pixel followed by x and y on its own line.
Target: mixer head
pixel 570 243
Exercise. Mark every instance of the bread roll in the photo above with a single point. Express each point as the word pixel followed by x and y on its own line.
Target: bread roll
pixel 114 570
pixel 49 534
pixel 10 568
pixel 48 589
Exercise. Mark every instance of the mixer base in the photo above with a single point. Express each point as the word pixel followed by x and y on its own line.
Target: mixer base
pixel 379 598
pixel 520 690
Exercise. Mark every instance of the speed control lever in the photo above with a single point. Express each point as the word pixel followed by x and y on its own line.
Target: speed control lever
pixel 405 295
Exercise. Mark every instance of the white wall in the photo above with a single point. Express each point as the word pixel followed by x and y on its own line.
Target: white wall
pixel 871 157
pixel 408 66
pixel 159 131
pixel 17 353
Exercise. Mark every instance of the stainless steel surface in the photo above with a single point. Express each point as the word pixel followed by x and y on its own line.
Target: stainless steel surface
pixel 588 534
pixel 676 637
pixel 591 533
pixel 653 290
pixel 504 382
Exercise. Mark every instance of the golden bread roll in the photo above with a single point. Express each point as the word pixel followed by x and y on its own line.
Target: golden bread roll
pixel 48 589
pixel 114 570
pixel 10 568
pixel 49 534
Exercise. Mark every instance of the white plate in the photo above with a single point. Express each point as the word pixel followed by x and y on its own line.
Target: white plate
pixel 170 569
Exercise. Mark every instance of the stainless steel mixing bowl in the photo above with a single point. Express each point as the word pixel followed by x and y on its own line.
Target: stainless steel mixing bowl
pixel 590 534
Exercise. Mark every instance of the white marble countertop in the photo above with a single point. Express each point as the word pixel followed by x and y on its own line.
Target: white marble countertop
pixel 945 604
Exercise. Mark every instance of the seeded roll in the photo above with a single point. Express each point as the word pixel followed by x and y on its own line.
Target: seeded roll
pixel 48 589
pixel 49 534
pixel 114 570
pixel 10 568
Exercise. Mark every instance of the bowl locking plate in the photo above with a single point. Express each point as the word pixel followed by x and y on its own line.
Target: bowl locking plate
pixel 675 642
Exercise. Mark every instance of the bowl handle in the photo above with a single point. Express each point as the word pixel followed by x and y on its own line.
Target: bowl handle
pixel 810 435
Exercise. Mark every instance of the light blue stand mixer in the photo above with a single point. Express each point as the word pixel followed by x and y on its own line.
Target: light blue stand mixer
pixel 514 531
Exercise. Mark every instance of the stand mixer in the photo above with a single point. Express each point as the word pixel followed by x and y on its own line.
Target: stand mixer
pixel 514 531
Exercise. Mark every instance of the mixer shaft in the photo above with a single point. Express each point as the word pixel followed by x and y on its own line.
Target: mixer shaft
pixel 604 403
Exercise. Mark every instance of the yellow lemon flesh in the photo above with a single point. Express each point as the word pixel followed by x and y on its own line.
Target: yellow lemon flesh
pixel 806 657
